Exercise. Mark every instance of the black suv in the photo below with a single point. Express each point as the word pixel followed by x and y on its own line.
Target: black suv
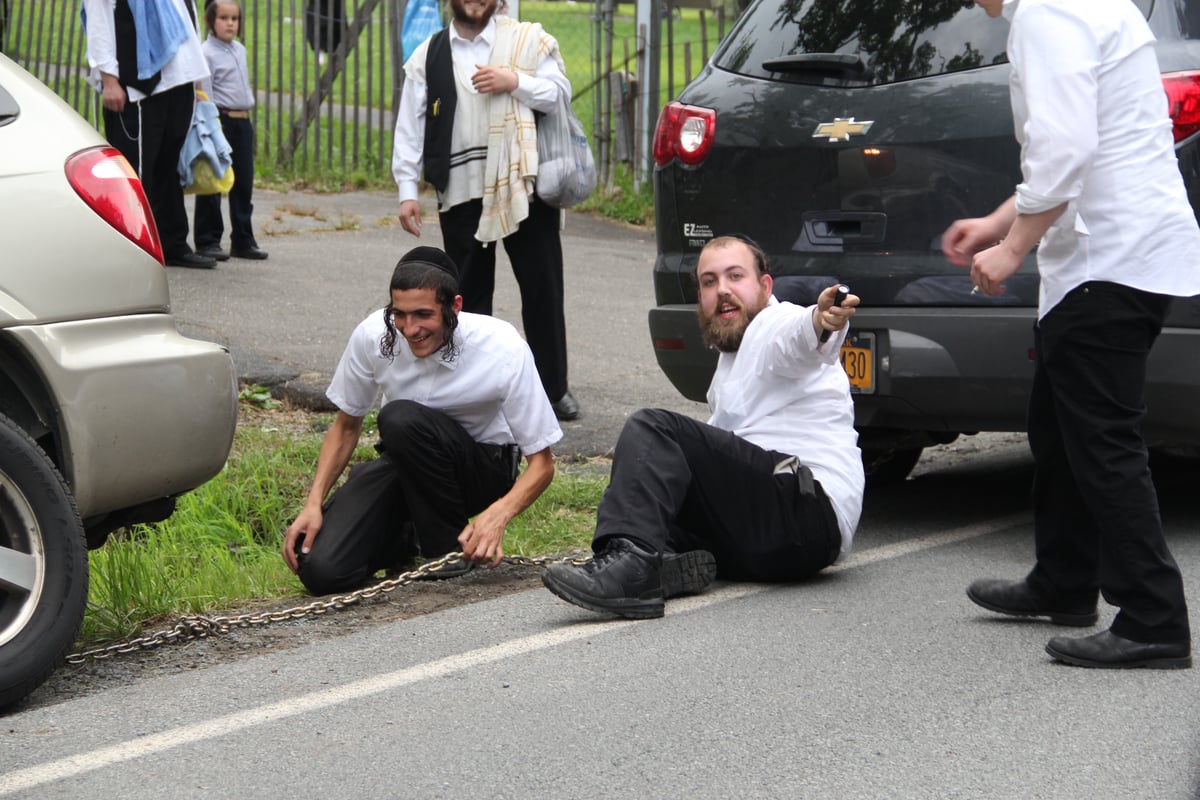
pixel 845 136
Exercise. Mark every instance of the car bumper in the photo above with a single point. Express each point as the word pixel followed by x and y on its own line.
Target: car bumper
pixel 145 412
pixel 951 370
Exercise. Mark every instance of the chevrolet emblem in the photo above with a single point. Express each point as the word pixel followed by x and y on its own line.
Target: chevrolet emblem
pixel 840 130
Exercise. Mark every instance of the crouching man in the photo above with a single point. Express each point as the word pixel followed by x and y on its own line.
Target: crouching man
pixel 770 489
pixel 461 401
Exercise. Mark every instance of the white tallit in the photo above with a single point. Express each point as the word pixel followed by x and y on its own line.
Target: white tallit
pixel 512 160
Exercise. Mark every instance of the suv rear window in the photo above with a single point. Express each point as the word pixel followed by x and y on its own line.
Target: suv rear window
pixel 867 42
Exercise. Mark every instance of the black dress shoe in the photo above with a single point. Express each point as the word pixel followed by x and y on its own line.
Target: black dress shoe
pixel 687 573
pixel 252 253
pixel 1017 599
pixel 192 261
pixel 565 408
pixel 1106 650
pixel 213 251
pixel 624 580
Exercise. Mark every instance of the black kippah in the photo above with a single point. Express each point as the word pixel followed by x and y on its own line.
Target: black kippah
pixel 432 257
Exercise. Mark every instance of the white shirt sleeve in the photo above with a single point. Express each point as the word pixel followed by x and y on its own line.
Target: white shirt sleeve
pixel 540 90
pixel 355 386
pixel 101 38
pixel 408 144
pixel 1058 59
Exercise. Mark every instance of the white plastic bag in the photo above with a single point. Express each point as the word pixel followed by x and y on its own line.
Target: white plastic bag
pixel 566 169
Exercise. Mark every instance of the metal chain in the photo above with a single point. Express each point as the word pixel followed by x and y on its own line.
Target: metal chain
pixel 198 626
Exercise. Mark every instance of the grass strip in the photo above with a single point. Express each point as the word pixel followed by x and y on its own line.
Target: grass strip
pixel 221 548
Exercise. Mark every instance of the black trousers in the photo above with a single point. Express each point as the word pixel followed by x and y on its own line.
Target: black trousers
pixel 208 223
pixel 415 499
pixel 1096 516
pixel 535 251
pixel 678 485
pixel 150 135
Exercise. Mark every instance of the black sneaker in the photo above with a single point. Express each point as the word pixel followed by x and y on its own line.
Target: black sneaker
pixel 687 573
pixel 624 580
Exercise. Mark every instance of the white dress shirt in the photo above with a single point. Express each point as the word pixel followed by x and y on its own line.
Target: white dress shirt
pixel 1091 116
pixel 538 91
pixel 784 390
pixel 491 389
pixel 186 66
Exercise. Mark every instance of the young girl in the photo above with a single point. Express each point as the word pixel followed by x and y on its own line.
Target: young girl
pixel 229 88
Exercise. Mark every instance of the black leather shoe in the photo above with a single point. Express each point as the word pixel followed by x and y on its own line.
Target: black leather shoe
pixel 192 261
pixel 1017 599
pixel 687 573
pixel 1106 650
pixel 213 251
pixel 565 408
pixel 624 580
pixel 252 253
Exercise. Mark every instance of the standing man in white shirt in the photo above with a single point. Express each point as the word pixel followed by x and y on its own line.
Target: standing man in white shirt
pixel 1102 193
pixel 770 489
pixel 460 401
pixel 148 103
pixel 466 121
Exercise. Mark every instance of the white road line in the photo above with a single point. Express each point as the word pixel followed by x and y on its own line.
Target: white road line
pixel 71 766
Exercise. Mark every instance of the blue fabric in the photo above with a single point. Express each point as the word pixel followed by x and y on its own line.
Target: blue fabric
pixel 421 20
pixel 160 31
pixel 205 139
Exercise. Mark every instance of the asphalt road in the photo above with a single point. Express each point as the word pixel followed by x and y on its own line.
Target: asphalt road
pixel 287 319
pixel 877 680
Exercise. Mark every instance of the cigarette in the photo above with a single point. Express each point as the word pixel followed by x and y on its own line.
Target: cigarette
pixel 975 290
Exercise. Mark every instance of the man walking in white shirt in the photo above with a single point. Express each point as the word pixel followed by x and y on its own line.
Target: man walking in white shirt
pixel 1102 193
pixel 770 489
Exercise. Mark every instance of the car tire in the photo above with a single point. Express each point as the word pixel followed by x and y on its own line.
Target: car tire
pixel 43 565
pixel 887 467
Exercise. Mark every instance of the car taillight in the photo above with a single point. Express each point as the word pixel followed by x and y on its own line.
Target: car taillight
pixel 1183 101
pixel 684 132
pixel 110 187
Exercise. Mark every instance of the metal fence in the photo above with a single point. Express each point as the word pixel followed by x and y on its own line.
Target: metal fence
pixel 328 74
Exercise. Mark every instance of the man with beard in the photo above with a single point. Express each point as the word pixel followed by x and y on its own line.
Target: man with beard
pixel 466 119
pixel 770 489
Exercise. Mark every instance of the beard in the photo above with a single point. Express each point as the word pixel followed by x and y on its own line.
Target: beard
pixel 725 336
pixel 459 12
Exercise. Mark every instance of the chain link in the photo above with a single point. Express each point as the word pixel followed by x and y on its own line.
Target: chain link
pixel 198 626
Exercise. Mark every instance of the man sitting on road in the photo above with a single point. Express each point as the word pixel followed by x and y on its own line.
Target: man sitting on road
pixel 769 490
pixel 461 400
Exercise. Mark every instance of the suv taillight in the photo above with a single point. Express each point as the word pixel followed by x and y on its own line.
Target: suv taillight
pixel 110 187
pixel 684 132
pixel 1183 101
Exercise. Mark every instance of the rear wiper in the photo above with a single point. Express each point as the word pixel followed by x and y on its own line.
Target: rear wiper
pixel 845 64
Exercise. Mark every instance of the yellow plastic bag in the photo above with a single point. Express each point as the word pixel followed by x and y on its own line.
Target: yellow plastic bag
pixel 207 182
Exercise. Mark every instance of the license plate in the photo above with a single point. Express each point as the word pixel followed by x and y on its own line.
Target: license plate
pixel 858 359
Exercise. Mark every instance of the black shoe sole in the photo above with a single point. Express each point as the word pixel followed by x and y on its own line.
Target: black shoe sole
pixel 1057 617
pixel 1175 662
pixel 627 607
pixel 687 573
